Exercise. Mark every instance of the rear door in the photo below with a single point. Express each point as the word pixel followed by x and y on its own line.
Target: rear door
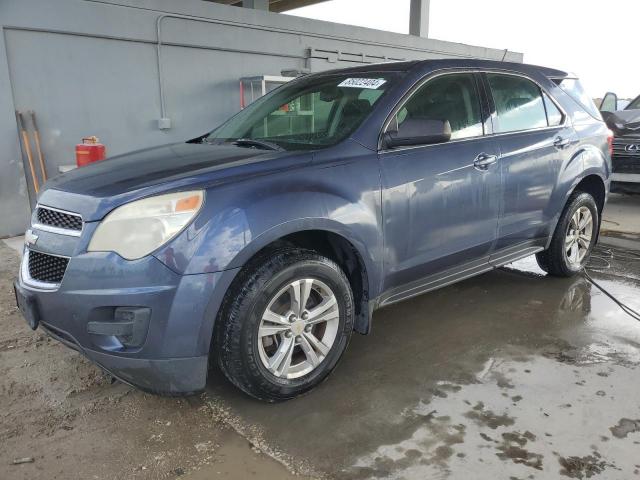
pixel 440 205
pixel 534 139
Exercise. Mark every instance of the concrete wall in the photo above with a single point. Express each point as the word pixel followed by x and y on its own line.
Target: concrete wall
pixel 89 67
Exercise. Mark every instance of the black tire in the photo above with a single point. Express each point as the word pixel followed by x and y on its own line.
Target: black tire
pixel 235 343
pixel 554 260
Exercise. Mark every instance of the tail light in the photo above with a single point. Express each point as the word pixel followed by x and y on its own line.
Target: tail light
pixel 610 142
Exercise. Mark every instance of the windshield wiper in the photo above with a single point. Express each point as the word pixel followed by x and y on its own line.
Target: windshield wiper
pixel 251 142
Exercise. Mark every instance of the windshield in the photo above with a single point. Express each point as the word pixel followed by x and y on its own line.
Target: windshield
pixel 309 113
pixel 635 105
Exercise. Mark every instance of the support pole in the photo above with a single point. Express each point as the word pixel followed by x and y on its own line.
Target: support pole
pixel 419 18
pixel 256 4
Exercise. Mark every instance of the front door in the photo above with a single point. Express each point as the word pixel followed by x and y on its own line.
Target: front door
pixel 440 202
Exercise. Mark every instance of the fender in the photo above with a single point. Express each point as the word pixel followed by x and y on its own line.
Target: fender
pixel 591 162
pixel 301 225
pixel 239 220
pixel 372 267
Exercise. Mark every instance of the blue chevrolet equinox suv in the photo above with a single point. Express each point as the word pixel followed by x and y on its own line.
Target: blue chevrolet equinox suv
pixel 261 246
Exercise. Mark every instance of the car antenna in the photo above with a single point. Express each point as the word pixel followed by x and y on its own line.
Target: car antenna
pixel 506 50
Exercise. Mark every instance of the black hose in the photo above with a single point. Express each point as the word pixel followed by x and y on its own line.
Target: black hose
pixel 625 308
pixel 627 257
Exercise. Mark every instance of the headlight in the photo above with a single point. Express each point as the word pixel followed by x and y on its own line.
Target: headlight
pixel 138 228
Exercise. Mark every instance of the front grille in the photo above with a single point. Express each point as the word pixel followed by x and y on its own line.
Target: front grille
pixel 625 160
pixel 46 268
pixel 620 147
pixel 58 219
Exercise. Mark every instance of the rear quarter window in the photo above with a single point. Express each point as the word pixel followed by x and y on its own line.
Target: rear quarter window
pixel 573 88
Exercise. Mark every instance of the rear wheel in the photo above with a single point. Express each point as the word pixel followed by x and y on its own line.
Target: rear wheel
pixel 285 324
pixel 573 239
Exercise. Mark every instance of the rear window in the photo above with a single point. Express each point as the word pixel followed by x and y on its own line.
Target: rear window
pixel 574 89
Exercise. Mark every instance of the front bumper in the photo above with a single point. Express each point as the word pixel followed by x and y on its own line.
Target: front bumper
pixel 625 177
pixel 173 357
pixel 171 376
pixel 625 183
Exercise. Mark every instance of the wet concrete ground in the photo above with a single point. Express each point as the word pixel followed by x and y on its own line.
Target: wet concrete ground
pixel 509 375
pixel 621 214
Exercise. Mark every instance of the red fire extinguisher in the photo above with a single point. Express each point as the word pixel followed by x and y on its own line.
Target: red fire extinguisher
pixel 89 151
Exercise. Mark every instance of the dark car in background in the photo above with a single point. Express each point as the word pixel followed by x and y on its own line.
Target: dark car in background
pixel 264 244
pixel 625 125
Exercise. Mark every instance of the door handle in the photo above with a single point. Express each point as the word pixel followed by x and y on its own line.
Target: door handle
pixel 484 161
pixel 560 142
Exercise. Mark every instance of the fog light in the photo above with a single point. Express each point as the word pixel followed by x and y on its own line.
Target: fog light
pixel 129 326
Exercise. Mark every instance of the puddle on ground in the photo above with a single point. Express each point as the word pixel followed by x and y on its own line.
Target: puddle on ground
pixel 554 418
pixel 510 374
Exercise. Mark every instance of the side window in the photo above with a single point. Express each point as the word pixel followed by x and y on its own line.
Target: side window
pixel 519 103
pixel 609 103
pixel 450 97
pixel 554 115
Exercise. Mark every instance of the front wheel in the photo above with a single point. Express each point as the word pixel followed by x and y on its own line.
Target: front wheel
pixel 573 239
pixel 285 324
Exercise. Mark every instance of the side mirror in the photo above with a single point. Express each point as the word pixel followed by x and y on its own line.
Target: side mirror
pixel 418 132
pixel 609 103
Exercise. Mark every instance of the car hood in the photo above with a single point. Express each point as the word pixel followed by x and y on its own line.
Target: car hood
pixel 624 122
pixel 96 189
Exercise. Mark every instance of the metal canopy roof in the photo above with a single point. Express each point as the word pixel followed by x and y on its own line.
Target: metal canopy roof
pixel 276 5
pixel 418 18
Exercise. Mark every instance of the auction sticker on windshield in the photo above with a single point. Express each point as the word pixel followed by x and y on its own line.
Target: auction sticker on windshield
pixel 371 83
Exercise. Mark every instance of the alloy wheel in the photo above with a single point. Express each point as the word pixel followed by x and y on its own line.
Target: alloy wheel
pixel 579 236
pixel 298 328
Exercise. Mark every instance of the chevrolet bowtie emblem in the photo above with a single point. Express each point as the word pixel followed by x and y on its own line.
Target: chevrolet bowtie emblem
pixel 30 238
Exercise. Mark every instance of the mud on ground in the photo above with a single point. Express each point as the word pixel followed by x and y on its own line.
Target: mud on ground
pixel 65 419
